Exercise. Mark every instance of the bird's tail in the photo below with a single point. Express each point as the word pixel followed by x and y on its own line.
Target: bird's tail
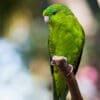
pixel 55 96
pixel 59 97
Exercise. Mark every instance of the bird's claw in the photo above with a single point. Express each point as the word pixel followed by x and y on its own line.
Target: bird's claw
pixel 57 59
pixel 62 61
pixel 70 68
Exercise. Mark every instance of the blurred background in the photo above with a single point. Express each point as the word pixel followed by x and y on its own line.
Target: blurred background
pixel 24 61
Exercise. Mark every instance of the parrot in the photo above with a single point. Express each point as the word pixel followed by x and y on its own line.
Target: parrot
pixel 66 39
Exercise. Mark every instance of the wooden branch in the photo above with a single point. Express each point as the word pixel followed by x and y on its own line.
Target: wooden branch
pixel 67 72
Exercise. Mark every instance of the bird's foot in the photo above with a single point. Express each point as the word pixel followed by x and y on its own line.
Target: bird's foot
pixel 62 64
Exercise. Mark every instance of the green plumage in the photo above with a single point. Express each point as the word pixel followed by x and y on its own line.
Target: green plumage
pixel 66 38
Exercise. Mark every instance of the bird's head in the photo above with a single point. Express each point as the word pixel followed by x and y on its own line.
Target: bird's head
pixel 56 13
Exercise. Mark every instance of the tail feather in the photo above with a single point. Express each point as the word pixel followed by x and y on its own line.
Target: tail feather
pixel 55 96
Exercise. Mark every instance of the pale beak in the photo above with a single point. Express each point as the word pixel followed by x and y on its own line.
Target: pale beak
pixel 46 19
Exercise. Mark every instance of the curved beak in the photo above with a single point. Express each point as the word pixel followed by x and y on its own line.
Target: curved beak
pixel 46 19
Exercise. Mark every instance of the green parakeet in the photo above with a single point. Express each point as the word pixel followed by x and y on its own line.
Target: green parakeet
pixel 66 38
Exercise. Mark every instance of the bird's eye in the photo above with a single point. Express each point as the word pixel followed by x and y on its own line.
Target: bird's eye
pixel 54 12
